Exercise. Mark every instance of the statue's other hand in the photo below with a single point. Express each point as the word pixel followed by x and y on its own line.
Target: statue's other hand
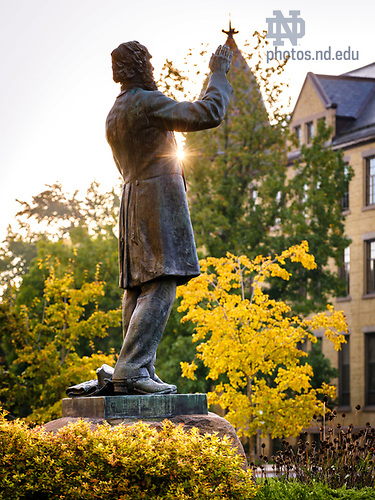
pixel 221 60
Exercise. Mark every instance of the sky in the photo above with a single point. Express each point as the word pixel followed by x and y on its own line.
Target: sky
pixel 56 85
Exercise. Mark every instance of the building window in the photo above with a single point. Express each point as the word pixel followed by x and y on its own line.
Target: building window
pixel 344 271
pixel 370 181
pixel 344 373
pixel 309 132
pixel 370 266
pixel 370 368
pixel 298 133
pixel 345 198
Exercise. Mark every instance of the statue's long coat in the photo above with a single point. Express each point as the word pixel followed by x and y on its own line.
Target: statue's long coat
pixel 156 237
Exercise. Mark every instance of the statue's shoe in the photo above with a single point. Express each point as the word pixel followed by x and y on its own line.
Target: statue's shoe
pixel 144 386
pixel 159 380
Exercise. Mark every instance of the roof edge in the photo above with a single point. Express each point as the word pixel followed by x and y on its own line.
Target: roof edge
pixel 346 77
pixel 349 73
pixel 319 89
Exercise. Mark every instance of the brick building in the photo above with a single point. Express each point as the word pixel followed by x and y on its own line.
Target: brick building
pixel 347 103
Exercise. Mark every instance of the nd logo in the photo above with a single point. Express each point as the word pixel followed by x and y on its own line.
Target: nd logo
pixel 280 27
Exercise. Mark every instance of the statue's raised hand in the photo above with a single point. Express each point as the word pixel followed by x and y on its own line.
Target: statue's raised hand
pixel 220 61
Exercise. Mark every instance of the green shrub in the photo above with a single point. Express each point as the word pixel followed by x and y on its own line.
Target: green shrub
pixel 122 462
pixel 294 490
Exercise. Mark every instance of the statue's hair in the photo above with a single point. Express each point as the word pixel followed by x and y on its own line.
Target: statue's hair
pixel 131 60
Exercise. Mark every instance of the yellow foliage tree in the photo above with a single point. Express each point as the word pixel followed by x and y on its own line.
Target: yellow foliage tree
pixel 254 341
pixel 45 341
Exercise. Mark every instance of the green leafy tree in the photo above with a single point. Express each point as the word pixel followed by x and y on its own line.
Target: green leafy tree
pixel 231 168
pixel 56 217
pixel 313 211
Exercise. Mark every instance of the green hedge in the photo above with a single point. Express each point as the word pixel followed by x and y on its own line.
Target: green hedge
pixel 294 490
pixel 122 462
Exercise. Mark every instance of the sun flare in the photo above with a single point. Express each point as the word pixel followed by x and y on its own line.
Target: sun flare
pixel 180 140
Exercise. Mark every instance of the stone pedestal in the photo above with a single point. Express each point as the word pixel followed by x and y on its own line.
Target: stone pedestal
pixel 138 407
pixel 190 410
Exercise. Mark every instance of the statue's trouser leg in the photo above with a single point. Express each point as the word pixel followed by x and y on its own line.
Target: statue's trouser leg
pixel 129 304
pixel 146 312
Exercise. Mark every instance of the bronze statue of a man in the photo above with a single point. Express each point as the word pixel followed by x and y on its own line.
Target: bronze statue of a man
pixel 156 243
